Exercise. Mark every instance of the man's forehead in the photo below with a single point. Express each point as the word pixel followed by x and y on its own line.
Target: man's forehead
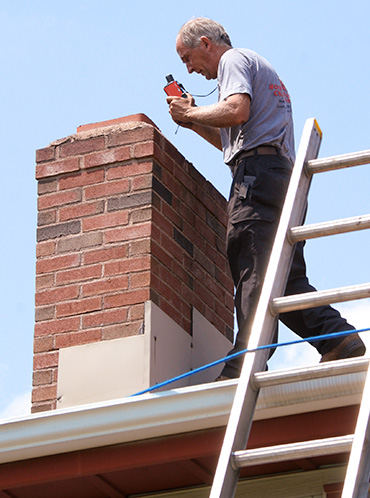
pixel 183 51
pixel 180 46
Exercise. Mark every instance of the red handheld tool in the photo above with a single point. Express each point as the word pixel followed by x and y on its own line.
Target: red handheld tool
pixel 174 88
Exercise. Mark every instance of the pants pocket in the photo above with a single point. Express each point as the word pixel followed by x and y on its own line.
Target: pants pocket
pixel 239 203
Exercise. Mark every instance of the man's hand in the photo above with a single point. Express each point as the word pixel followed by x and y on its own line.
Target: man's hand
pixel 178 108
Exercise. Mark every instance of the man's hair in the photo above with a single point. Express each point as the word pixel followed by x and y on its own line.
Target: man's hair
pixel 192 30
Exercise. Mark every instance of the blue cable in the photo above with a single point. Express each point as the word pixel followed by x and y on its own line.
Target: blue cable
pixel 239 353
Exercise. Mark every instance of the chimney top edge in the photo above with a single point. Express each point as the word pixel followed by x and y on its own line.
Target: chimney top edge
pixel 133 118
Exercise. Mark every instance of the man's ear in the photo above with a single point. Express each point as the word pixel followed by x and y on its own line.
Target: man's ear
pixel 206 42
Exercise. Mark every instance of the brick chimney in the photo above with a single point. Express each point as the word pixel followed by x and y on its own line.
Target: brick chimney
pixel 123 219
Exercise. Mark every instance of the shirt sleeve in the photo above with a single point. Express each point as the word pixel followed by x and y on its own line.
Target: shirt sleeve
pixel 235 74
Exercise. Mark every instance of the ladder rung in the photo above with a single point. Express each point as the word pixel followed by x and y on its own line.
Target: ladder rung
pixel 337 162
pixel 319 298
pixel 292 451
pixel 323 229
pixel 328 369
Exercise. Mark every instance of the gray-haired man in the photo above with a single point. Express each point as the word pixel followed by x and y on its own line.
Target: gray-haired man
pixel 252 124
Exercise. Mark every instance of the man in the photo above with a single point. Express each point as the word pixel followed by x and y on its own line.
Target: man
pixel 252 124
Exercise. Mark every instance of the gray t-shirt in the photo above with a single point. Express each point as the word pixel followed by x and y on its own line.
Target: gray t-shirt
pixel 270 120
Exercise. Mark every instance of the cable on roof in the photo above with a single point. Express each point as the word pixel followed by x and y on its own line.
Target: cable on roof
pixel 244 351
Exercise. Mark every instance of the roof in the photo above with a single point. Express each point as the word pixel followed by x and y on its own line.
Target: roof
pixel 174 436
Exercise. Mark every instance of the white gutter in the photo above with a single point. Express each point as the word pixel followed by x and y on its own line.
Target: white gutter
pixel 148 416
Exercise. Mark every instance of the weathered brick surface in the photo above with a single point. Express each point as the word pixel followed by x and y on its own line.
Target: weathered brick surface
pixel 123 218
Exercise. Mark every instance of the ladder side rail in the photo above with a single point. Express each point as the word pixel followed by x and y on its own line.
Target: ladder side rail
pixel 326 228
pixel 356 483
pixel 319 298
pixel 338 162
pixel 242 410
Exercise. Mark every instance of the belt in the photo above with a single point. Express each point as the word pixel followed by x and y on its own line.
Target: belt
pixel 263 150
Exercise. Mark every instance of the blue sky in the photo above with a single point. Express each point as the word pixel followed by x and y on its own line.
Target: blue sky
pixel 69 63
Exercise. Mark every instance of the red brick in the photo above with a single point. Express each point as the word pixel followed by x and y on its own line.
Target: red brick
pixel 44 313
pixel 129 170
pixel 204 262
pixel 126 298
pixel 47 217
pixel 59 199
pixel 81 210
pixel 57 295
pixel 44 393
pixel 224 279
pixel 172 312
pixel 140 215
pixel 42 344
pixel 128 265
pixel 204 294
pixel 43 407
pixel 107 189
pixel 77 338
pixel 45 248
pixel 121 330
pixel 126 137
pixel 107 317
pixel 137 247
pixel 44 281
pixel 79 274
pixel 162 287
pixel 139 280
pixel 161 221
pixel 173 248
pixel 128 233
pixel 161 255
pixel 224 314
pixel 45 170
pixel 42 377
pixel 46 154
pixel 47 186
pixel 104 221
pixel 79 242
pixel 170 279
pixel 79 147
pixel 106 254
pixel 218 258
pixel 105 286
pixel 141 182
pixel 144 149
pixel 57 326
pixel 78 307
pixel 136 312
pixel 172 215
pixel 110 156
pixel 179 271
pixel 45 360
pixel 57 263
pixel 81 179
pixel 193 268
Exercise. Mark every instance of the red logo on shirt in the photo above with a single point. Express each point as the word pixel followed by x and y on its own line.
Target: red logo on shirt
pixel 280 91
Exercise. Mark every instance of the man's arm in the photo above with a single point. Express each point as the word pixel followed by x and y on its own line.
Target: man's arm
pixel 209 133
pixel 206 120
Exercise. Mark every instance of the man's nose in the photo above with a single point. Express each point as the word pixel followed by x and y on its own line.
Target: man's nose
pixel 189 67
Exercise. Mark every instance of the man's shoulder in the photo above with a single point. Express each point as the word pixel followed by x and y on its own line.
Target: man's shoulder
pixel 242 57
pixel 238 53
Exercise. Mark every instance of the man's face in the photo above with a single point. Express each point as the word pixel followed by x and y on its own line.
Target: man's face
pixel 198 59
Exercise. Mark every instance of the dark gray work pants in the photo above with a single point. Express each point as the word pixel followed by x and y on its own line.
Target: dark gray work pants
pixel 256 198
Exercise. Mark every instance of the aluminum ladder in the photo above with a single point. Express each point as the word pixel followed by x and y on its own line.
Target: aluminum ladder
pixel 253 375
